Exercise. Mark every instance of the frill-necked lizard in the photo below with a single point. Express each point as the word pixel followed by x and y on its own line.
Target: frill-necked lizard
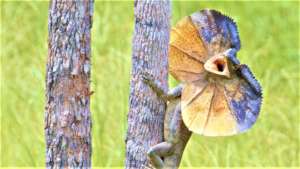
pixel 217 96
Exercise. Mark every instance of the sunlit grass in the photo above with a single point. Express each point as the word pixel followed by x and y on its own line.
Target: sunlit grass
pixel 270 46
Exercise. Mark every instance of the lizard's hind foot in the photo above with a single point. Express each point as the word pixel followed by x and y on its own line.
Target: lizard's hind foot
pixel 158 151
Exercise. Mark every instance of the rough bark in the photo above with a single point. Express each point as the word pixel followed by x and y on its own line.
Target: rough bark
pixel 67 116
pixel 150 54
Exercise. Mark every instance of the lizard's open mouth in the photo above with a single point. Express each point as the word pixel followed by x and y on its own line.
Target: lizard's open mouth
pixel 217 65
pixel 220 64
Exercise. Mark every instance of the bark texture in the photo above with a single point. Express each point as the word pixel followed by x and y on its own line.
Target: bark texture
pixel 67 116
pixel 150 54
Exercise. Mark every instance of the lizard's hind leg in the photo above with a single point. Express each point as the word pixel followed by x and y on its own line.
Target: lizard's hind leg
pixel 158 151
pixel 167 148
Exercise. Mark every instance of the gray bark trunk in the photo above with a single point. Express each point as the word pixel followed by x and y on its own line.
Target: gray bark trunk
pixel 150 53
pixel 67 111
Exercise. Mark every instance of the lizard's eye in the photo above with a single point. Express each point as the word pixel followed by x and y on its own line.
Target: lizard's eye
pixel 217 65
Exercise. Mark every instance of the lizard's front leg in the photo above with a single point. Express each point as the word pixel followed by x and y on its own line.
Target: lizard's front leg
pixel 156 87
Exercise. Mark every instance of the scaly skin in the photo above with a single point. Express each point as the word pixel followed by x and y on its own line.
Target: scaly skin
pixel 218 34
pixel 176 135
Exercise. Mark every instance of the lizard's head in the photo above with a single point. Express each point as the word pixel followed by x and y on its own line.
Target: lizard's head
pixel 219 98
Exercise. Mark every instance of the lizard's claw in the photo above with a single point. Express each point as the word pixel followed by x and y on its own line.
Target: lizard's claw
pixel 147 77
pixel 149 80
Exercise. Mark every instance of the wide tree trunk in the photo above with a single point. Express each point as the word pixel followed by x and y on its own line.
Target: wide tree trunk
pixel 67 116
pixel 150 54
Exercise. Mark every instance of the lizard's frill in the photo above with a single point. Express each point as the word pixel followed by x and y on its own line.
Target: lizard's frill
pixel 212 105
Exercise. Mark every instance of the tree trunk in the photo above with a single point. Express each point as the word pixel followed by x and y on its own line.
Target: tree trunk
pixel 67 116
pixel 150 54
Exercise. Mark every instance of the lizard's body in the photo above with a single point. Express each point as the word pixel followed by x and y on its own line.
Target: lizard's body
pixel 219 96
pixel 176 134
pixel 179 137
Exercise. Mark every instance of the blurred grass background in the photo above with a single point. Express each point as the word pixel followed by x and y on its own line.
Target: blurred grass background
pixel 269 33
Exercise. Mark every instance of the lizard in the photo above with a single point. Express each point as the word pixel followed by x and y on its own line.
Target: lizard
pixel 212 80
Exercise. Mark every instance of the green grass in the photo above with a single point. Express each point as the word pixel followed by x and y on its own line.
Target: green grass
pixel 269 33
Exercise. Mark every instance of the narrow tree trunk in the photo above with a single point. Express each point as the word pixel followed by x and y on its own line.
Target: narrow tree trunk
pixel 150 54
pixel 67 116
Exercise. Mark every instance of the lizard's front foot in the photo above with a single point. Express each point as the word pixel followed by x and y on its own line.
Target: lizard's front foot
pixel 154 85
pixel 147 77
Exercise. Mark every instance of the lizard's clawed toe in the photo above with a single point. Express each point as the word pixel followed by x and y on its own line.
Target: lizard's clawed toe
pixel 146 77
